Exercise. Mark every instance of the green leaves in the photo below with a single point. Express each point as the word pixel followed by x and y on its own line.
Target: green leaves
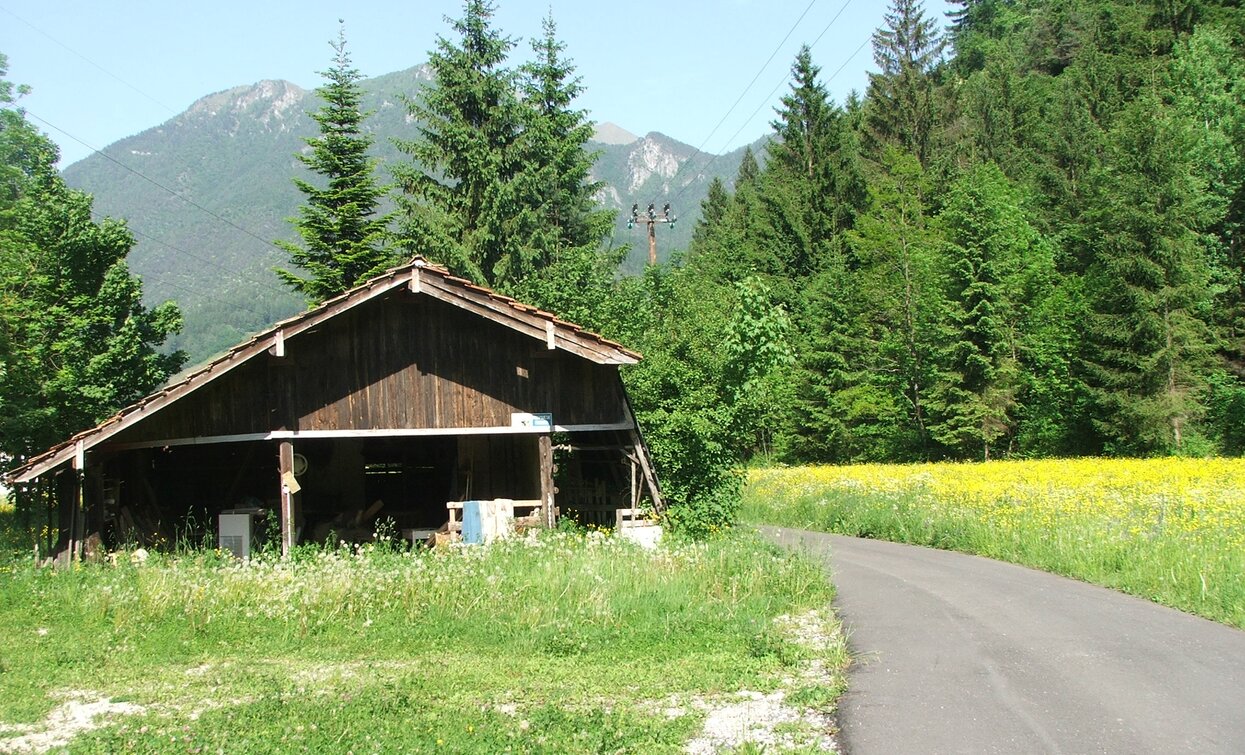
pixel 76 341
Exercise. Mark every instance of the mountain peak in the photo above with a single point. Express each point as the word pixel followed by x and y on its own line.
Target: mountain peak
pixel 276 96
pixel 609 133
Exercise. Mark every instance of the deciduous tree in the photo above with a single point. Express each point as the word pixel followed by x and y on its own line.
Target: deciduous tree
pixel 76 341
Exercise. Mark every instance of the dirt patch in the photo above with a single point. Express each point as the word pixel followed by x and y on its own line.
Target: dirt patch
pixel 764 720
pixel 771 721
pixel 81 712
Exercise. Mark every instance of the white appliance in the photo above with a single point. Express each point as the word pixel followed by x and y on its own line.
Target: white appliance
pixel 236 531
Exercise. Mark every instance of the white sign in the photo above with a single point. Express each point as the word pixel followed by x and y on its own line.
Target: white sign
pixel 539 421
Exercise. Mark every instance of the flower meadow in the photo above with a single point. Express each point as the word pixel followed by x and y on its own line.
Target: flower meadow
pixel 560 642
pixel 1171 530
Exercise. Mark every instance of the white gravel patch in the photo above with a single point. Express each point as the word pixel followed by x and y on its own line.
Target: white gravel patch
pixel 764 720
pixel 768 720
pixel 80 713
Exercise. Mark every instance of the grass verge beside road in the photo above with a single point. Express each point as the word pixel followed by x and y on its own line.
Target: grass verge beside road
pixel 560 643
pixel 1169 530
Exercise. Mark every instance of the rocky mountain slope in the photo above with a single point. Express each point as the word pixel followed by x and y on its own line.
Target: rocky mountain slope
pixel 208 191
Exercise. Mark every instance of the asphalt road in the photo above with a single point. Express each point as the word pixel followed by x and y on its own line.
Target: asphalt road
pixel 956 653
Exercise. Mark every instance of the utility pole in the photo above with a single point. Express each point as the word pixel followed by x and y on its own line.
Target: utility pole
pixel 652 219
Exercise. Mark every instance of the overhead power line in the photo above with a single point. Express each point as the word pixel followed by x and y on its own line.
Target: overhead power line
pixel 787 77
pixel 768 98
pixel 700 149
pixel 157 184
pixel 97 66
pixel 233 274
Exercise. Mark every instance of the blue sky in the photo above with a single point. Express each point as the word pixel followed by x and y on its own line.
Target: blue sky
pixel 105 69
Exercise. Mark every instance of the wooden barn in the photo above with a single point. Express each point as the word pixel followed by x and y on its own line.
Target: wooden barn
pixel 397 400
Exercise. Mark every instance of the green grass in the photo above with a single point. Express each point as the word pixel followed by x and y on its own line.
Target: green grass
pixel 566 643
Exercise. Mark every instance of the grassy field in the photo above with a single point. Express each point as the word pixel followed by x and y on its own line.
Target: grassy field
pixel 1170 530
pixel 562 643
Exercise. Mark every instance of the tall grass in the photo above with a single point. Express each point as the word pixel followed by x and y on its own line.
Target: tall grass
pixel 559 643
pixel 1169 530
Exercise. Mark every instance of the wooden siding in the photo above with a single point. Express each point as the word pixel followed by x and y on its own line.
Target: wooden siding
pixel 399 361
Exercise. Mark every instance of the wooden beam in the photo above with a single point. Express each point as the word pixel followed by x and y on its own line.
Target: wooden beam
pixel 544 445
pixel 646 466
pixel 239 355
pixel 402 432
pixel 393 432
pixel 201 440
pixel 285 462
pixel 527 323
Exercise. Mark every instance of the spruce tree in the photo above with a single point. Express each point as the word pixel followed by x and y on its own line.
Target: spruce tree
pixel 811 182
pixel 457 200
pixel 555 258
pixel 343 237
pixel 1149 285
pixel 999 271
pixel 901 94
pixel 712 212
pixel 730 243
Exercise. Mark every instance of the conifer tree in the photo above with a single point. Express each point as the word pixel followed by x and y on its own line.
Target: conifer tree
pixel 901 94
pixel 1149 285
pixel 735 244
pixel 456 199
pixel 343 237
pixel 556 257
pixel 712 212
pixel 749 170
pixel 999 271
pixel 811 182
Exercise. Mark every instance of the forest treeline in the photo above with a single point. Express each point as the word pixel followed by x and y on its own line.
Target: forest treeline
pixel 1027 246
pixel 1024 239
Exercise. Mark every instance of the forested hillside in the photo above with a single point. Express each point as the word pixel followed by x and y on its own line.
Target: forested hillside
pixel 1024 240
pixel 230 159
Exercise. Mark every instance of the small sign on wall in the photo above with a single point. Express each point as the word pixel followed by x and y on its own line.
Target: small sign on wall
pixel 538 421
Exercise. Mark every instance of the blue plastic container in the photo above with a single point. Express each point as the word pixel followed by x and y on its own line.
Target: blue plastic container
pixel 473 527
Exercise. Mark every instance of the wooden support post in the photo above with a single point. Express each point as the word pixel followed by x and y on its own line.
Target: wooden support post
pixel 646 466
pixel 77 531
pixel 289 488
pixel 652 242
pixel 547 490
pixel 635 484
pixel 79 515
